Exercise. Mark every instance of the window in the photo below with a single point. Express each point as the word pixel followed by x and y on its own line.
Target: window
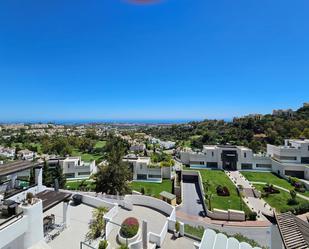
pixel 83 173
pixel 154 176
pixel 212 165
pixel 261 165
pixel 212 153
pixel 246 166
pixel 305 160
pixel 245 155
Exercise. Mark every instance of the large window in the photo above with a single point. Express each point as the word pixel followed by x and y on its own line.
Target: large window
pixel 290 158
pixel 141 176
pixel 246 166
pixel 305 160
pixel 154 176
pixel 83 173
pixel 295 173
pixel 262 165
pixel 212 165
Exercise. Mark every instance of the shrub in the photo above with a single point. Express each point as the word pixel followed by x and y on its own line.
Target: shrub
pixel 142 190
pixel 292 201
pixel 270 189
pixel 103 244
pixel 251 215
pixel 300 209
pixel 301 190
pixel 29 197
pixel 177 226
pixel 123 247
pixel 129 227
pixel 222 191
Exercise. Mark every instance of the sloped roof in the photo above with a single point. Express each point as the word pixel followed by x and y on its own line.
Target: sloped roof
pixel 294 231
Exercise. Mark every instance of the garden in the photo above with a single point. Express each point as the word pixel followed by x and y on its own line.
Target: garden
pixel 221 192
pixel 271 178
pixel 281 200
pixel 152 188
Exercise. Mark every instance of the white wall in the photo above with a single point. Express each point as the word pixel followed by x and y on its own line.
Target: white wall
pixel 13 234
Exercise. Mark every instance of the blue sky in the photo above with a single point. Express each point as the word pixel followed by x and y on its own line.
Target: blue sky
pixel 176 59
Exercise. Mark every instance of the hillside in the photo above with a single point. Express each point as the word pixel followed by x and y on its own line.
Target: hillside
pixel 253 132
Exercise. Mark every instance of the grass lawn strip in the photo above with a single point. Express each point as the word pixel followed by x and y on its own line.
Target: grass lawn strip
pixel 268 177
pixel 218 177
pixel 279 201
pixel 152 188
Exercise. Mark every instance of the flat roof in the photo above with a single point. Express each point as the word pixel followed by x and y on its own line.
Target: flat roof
pixel 17 166
pixel 52 198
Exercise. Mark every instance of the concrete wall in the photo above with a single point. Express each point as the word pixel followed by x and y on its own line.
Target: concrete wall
pixel 166 172
pixel 34 231
pixel 12 236
pixel 230 214
pixel 150 202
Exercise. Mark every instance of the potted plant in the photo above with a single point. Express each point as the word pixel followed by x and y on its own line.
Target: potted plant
pixel 103 244
pixel 29 197
pixel 177 228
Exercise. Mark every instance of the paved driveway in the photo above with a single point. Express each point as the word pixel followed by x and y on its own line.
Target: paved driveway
pixel 192 199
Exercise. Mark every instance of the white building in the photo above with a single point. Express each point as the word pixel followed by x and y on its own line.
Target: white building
pixel 280 112
pixel 21 222
pixel 143 170
pixel 26 155
pixel 74 167
pixel 167 145
pixel 291 159
pixel 227 157
pixel 137 147
pixel 7 152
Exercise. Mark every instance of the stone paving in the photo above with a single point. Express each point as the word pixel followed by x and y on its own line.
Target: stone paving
pixel 256 204
pixel 71 237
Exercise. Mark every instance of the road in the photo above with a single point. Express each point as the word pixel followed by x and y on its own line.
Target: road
pixel 192 199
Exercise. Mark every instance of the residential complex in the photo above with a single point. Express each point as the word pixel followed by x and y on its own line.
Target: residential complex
pixel 48 219
pixel 292 159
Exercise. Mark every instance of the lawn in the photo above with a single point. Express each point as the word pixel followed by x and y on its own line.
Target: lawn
pixel 153 188
pixel 271 178
pixel 80 185
pixel 87 157
pixel 100 144
pixel 278 201
pixel 218 177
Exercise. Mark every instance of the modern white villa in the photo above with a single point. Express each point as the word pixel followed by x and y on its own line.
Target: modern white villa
pixel 26 155
pixel 143 170
pixel 292 159
pixel 227 157
pixel 74 167
pixel 49 219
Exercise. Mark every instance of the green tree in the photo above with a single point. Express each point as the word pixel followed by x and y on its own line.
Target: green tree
pixel 115 176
